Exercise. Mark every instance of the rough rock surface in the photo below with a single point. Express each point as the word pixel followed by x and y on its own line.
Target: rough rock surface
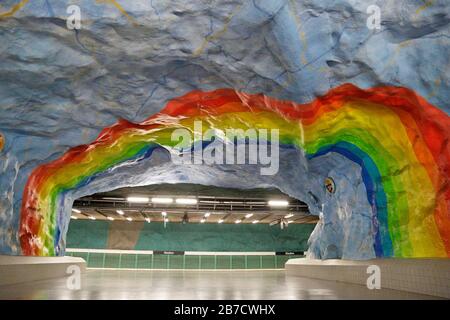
pixel 60 87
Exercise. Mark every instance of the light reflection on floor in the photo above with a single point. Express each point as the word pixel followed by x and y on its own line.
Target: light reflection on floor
pixel 197 285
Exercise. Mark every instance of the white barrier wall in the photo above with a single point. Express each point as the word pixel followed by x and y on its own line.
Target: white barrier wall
pixel 16 269
pixel 424 276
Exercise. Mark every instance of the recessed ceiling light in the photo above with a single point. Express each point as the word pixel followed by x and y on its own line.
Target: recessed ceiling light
pixel 220 221
pixel 164 213
pixel 186 201
pixel 148 220
pixel 278 203
pixel 162 200
pixel 255 221
pixel 129 219
pixel 112 198
pixel 92 218
pixel 73 217
pixel 238 221
pixel 207 214
pixel 76 210
pixel 202 221
pixel 290 215
pixel 120 212
pixel 249 215
pixel 138 199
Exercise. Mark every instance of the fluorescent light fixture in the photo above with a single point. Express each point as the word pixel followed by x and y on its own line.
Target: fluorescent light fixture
pixel 249 215
pixel 164 213
pixel 73 217
pixel 255 221
pixel 110 218
pixel 290 215
pixel 186 201
pixel 202 221
pixel 92 218
pixel 120 212
pixel 162 200
pixel 207 214
pixel 76 210
pixel 166 220
pixel 290 221
pixel 238 221
pixel 138 199
pixel 148 220
pixel 278 203
pixel 129 219
pixel 220 221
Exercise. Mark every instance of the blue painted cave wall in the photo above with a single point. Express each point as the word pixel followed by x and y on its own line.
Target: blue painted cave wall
pixel 59 88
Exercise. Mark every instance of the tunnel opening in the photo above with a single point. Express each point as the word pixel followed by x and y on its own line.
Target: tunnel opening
pixel 189 226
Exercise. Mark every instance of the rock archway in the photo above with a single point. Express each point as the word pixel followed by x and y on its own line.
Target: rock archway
pixel 373 144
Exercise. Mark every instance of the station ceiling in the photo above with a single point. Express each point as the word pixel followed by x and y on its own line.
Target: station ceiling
pixel 208 204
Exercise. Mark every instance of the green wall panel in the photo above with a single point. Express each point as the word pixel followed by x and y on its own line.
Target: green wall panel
pixel 181 262
pixel 87 234
pixel 96 260
pixel 176 262
pixel 144 261
pixel 196 237
pixel 112 260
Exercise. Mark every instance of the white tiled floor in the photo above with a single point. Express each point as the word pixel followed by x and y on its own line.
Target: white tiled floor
pixel 252 285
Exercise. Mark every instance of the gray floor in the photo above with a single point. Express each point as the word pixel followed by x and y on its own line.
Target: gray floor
pixel 203 285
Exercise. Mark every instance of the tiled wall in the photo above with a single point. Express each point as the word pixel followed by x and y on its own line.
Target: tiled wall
pixel 167 261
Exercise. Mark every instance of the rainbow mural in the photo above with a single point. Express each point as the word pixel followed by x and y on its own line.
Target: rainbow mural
pixel 397 137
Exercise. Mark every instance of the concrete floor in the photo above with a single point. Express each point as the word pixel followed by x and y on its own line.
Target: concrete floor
pixel 196 285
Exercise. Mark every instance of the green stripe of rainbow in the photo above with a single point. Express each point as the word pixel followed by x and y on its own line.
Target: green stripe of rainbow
pixel 398 138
